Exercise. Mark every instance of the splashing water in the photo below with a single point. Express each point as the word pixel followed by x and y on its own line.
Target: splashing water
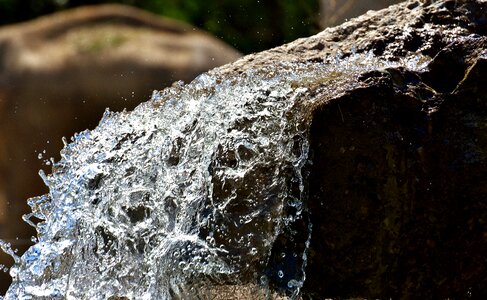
pixel 189 190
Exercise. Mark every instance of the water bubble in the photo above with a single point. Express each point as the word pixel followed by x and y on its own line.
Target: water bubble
pixel 280 274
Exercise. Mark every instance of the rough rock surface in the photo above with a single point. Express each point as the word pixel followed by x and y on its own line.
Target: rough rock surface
pixel 397 192
pixel 397 188
pixel 60 72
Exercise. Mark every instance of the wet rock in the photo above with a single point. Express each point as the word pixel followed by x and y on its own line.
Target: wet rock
pixel 60 72
pixel 397 185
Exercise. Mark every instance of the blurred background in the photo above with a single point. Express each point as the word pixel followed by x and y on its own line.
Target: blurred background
pixel 63 62
pixel 247 25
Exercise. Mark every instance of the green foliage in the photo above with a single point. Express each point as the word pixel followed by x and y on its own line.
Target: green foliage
pixel 248 25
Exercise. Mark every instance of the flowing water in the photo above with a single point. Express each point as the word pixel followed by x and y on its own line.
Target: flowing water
pixel 188 191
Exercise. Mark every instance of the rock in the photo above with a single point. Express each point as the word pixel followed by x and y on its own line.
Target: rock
pixel 397 185
pixel 393 106
pixel 58 74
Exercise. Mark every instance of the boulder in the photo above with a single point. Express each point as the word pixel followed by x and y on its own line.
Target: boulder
pixel 350 164
pixel 397 185
pixel 60 72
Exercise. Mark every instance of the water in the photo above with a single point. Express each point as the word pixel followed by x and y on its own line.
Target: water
pixel 188 191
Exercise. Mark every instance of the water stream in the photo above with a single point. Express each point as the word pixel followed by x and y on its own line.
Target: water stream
pixel 188 191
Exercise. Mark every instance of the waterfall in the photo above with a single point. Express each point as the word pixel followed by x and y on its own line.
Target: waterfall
pixel 188 191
